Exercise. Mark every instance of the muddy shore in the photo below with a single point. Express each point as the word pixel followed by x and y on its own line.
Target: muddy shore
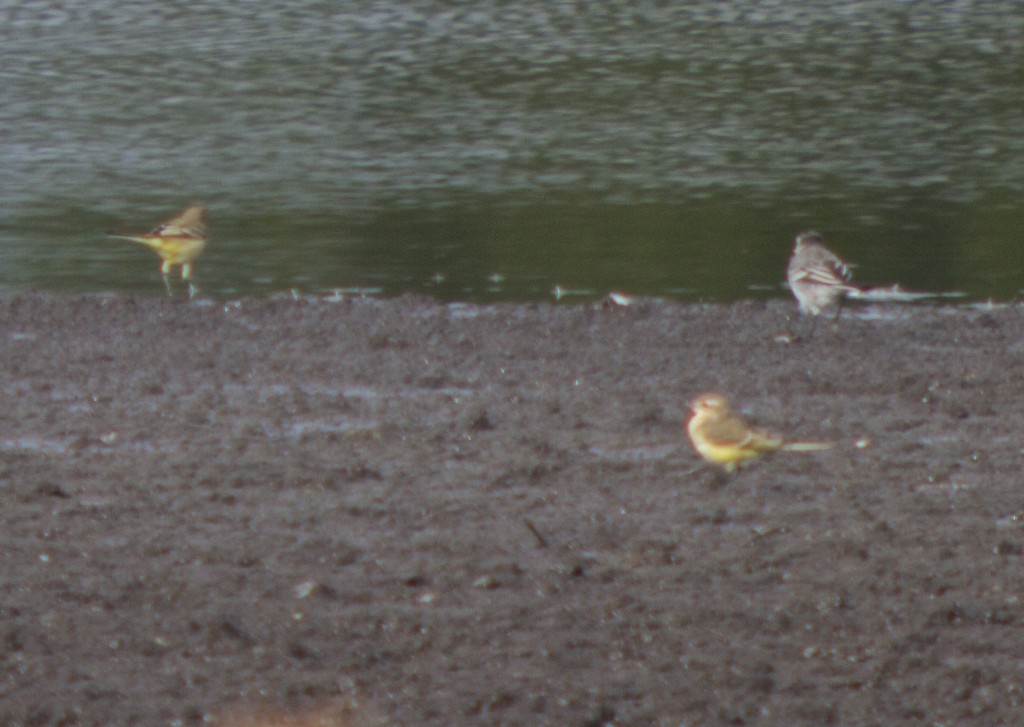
pixel 489 515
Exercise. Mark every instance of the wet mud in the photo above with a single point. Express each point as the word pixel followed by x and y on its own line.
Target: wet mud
pixel 442 514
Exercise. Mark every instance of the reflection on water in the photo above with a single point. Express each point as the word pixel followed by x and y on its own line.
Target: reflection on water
pixel 496 150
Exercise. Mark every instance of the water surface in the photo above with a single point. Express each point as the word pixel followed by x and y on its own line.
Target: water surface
pixel 496 150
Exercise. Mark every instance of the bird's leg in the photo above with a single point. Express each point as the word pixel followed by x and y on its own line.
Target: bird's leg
pixel 814 324
pixel 165 270
pixel 694 470
pixel 712 478
pixel 718 479
pixel 186 275
pixel 839 309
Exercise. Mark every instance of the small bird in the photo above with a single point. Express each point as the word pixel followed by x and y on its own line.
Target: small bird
pixel 724 439
pixel 818 278
pixel 178 241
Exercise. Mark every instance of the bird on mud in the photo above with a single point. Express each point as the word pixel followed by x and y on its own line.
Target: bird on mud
pixel 724 439
pixel 819 279
pixel 178 241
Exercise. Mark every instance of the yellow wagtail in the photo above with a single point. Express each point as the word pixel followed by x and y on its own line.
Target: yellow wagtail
pixel 178 241
pixel 722 438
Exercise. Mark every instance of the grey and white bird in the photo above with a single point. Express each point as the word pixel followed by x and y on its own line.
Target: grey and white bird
pixel 818 278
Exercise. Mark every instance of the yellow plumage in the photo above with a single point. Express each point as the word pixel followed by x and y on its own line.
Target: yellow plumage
pixel 722 438
pixel 178 241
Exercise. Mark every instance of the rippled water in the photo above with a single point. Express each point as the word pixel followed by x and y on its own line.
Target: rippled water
pixel 495 150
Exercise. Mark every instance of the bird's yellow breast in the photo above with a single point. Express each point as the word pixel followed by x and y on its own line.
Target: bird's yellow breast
pixel 175 250
pixel 724 454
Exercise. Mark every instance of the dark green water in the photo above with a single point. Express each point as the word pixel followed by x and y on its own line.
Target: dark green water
pixel 494 150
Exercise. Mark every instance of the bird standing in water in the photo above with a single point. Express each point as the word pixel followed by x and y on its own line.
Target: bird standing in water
pixel 178 241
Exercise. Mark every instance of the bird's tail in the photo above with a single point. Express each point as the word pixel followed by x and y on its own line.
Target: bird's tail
pixel 807 446
pixel 147 240
pixel 855 290
pixel 124 236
